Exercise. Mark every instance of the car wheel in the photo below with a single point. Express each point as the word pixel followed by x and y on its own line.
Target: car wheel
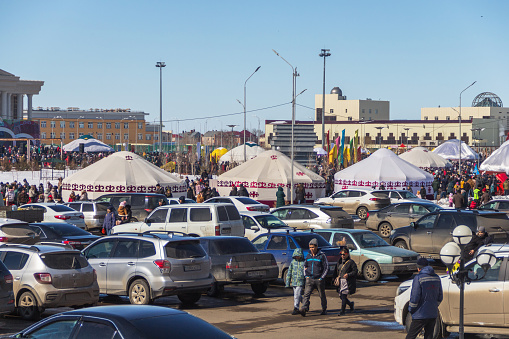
pixel 27 306
pixel 133 219
pixel 362 212
pixel 401 244
pixel 405 276
pixel 285 274
pixel 371 271
pixel 438 332
pixel 139 292
pixel 189 298
pixel 259 288
pixel 385 229
pixel 215 290
pixel 408 321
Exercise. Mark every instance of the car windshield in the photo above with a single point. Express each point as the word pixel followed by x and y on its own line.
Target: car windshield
pixel 61 208
pixel 407 195
pixel 247 201
pixel 304 239
pixel 369 240
pixel 433 208
pixel 269 221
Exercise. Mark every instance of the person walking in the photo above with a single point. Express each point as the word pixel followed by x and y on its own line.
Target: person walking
pixel 425 296
pixel 457 199
pixel 300 194
pixel 109 220
pixel 316 267
pixel 345 279
pixel 280 197
pixel 295 278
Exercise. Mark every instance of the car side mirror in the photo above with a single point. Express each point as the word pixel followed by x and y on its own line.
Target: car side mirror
pixel 414 225
pixel 255 228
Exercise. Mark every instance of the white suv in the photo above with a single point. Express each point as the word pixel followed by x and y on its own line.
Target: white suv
pixel 357 201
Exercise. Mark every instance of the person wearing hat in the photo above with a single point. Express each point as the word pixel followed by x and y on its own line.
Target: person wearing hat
pixel 425 296
pixel 109 220
pixel 316 267
pixel 182 200
pixel 481 238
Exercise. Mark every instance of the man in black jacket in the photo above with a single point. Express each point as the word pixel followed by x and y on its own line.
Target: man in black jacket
pixel 316 267
pixel 479 239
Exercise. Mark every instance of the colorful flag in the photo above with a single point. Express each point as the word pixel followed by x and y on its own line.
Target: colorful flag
pixel 350 156
pixel 355 156
pixel 342 148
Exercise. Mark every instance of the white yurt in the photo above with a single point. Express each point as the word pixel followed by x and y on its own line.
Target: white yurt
pixel 264 174
pixel 498 161
pixel 90 145
pixel 383 166
pixel 450 150
pixel 319 151
pixel 121 172
pixel 422 158
pixel 237 154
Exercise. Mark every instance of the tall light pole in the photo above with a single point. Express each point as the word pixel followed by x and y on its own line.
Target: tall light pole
pixel 294 88
pixel 231 153
pixel 325 53
pixel 77 125
pixel 257 136
pixel 459 118
pixel 62 125
pixel 380 137
pixel 102 124
pixel 406 129
pixel 160 64
pixel 245 82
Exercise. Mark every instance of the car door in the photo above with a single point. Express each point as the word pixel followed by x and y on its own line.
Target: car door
pixel 340 199
pixel 417 211
pixel 278 246
pixel 177 220
pixel 421 238
pixel 352 201
pixel 299 218
pixel 442 231
pixel 15 261
pixel 98 256
pixel 157 220
pixel 282 214
pixel 249 222
pixel 398 216
pixel 121 265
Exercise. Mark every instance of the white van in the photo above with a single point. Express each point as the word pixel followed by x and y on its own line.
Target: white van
pixel 194 219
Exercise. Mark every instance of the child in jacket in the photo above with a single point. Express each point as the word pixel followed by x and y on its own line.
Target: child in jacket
pixel 295 278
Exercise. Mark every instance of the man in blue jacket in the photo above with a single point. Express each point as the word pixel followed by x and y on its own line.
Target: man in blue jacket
pixel 425 297
pixel 316 267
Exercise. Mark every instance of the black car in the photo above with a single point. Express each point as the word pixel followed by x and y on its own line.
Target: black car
pixel 123 321
pixel 6 293
pixel 141 203
pixel 63 233
pixel 430 233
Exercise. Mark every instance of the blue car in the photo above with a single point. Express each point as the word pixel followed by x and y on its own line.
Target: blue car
pixel 282 245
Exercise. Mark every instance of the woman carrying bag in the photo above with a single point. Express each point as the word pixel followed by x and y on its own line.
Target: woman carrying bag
pixel 345 279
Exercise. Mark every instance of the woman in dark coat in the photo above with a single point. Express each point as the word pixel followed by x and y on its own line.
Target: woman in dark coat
pixel 280 197
pixel 345 279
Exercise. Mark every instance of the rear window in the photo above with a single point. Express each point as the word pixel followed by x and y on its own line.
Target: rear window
pixel 233 213
pixel 66 230
pixel 222 214
pixel 102 207
pixel 182 326
pixel 247 201
pixel 64 261
pixel 380 194
pixel 87 208
pixel 18 230
pixel 304 239
pixel 231 246
pixel 200 214
pixel 61 208
pixel 184 250
pixel 334 212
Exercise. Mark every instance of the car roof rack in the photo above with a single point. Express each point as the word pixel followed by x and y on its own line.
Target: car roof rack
pixel 54 243
pixel 26 247
pixel 172 233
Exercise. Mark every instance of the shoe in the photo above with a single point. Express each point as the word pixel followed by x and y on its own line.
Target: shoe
pixel 352 308
pixel 324 312
pixel 303 312
pixel 341 313
pixel 295 311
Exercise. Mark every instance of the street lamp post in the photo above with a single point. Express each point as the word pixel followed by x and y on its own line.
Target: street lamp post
pixel 325 53
pixel 77 125
pixel 245 82
pixel 380 137
pixel 258 130
pixel 459 118
pixel 231 148
pixel 406 129
pixel 103 137
pixel 160 64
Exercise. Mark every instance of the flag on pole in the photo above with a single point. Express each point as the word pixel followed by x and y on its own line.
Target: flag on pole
pixel 342 148
pixel 350 156
pixel 355 146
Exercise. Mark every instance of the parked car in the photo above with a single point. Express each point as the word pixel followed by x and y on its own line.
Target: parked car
pixel 498 205
pixel 402 196
pixel 235 260
pixel 147 266
pixel 93 212
pixel 313 216
pixel 357 201
pixel 54 212
pixel 141 203
pixel 256 223
pixel 18 232
pixel 373 256
pixel 175 201
pixel 485 300
pixel 194 219
pixel 282 245
pixel 123 321
pixel 398 215
pixel 430 233
pixel 242 203
pixel 63 233
pixel 49 276
pixel 6 292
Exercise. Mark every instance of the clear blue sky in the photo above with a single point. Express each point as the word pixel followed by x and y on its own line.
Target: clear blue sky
pixel 102 54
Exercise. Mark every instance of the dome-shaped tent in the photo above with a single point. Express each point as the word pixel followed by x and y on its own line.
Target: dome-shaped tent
pixel 498 161
pixel 218 153
pixel 450 150
pixel 237 154
pixel 90 143
pixel 422 158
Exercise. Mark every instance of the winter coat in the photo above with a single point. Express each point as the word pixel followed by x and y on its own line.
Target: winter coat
pixel 426 294
pixel 233 192
pixel 122 211
pixel 475 244
pixel 280 197
pixel 109 221
pixel 316 266
pixel 435 185
pixel 300 193
pixel 295 273
pixel 349 267
pixel 457 199
pixel 243 192
pixel 485 198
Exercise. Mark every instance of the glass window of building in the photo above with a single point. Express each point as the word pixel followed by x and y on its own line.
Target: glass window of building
pixel 369 111
pixel 81 134
pixel 99 125
pixel 108 136
pixel 331 111
pixel 71 124
pixel 140 125
pixel 108 125
pixel 99 136
pixel 126 125
pixel 62 135
pixel 81 124
pixel 117 136
pixel 140 136
pixel 43 135
pixel 52 135
pixel 43 124
pixel 62 124
pixel 90 125
pixel 117 125
pixel 148 137
pixel 447 118
pixel 436 118
pixel 126 136
pixel 71 135
pixel 52 123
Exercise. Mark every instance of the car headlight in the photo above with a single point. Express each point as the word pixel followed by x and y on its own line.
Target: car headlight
pixel 396 260
pixel 328 221
pixel 401 289
pixel 392 232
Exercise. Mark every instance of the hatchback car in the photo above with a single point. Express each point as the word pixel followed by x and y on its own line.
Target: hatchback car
pixel 313 216
pixel 141 203
pixel 18 232
pixel 151 265
pixel 63 233
pixel 123 321
pixel 357 201
pixel 49 276
pixel 93 212
pixel 398 215
pixel 373 256
pixel 242 203
pixel 256 223
pixel 6 292
pixel 54 212
pixel 499 205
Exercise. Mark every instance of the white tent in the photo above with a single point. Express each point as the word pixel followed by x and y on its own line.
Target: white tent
pixel 91 145
pixel 422 158
pixel 319 151
pixel 450 150
pixel 120 172
pixel 498 161
pixel 237 154
pixel 263 174
pixel 383 166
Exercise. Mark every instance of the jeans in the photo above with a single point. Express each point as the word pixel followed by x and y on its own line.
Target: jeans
pixel 108 231
pixel 344 302
pixel 417 326
pixel 311 284
pixel 297 296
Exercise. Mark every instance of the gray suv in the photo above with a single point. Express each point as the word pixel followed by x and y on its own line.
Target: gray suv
pixel 49 276
pixel 150 265
pixel 94 212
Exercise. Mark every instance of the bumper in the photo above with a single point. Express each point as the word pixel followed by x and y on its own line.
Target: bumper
pixel 398 268
pixel 254 275
pixel 399 306
pixel 7 304
pixel 176 287
pixel 70 297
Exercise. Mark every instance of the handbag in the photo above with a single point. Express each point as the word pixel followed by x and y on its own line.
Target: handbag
pixel 337 281
pixel 103 231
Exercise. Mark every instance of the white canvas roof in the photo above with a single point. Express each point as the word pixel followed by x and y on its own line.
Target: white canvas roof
pixel 498 161
pixel 450 150
pixel 120 172
pixel 383 166
pixel 263 174
pixel 237 154
pixel 91 145
pixel 422 158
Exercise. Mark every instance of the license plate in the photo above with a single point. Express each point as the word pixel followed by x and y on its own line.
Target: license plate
pixel 188 268
pixel 226 230
pixel 256 274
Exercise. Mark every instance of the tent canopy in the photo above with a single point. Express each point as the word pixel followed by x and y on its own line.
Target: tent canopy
pixel 218 153
pixel 498 161
pixel 319 151
pixel 91 145
pixel 237 154
pixel 450 150
pixel 421 157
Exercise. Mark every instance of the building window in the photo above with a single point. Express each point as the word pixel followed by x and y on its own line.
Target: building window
pixel 425 118
pixel 156 137
pixel 140 136
pixel 43 124
pixel 52 135
pixel 140 125
pixel 369 111
pixel 346 110
pixel 147 137
pixel 447 118
pixel 99 125
pixel 349 118
pixel 117 136
pixel 126 125
pixel 43 135
pixel 108 125
pixel 62 124
pixel 71 124
pixel 81 134
pixel 331 111
pixel 436 118
pixel 71 135
pixel 81 124
pixel 62 135
pixel 376 111
pixel 363 111
pixel 126 136
pixel 90 125
pixel 108 136
pixel 471 117
pixel 99 136
pixel 52 123
pixel 117 125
